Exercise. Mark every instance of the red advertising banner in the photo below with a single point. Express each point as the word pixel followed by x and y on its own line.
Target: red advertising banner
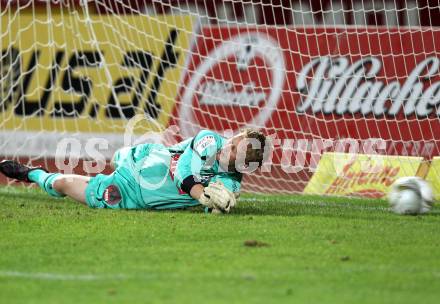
pixel 317 83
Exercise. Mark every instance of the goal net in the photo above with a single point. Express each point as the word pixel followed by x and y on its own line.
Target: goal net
pixel 348 90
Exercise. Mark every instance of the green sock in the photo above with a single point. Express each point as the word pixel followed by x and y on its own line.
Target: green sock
pixel 45 181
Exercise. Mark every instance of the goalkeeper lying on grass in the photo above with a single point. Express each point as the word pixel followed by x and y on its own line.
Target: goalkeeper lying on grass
pixel 199 170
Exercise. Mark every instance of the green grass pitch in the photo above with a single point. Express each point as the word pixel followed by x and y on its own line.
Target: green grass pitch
pixel 307 250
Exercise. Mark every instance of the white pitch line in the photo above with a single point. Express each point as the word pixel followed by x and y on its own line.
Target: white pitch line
pixel 60 276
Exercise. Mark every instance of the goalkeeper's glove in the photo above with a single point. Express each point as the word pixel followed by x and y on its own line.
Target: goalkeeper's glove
pixel 217 197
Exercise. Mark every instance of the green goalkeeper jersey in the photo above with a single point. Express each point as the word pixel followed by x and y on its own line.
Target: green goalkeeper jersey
pixel 154 176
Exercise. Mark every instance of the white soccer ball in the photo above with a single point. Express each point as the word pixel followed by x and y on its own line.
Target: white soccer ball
pixel 410 195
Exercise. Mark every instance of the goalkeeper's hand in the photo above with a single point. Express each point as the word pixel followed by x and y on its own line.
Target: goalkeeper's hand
pixel 217 197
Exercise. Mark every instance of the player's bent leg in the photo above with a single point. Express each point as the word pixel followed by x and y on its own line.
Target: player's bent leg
pixel 114 191
pixel 55 184
pixel 38 175
pixel 74 186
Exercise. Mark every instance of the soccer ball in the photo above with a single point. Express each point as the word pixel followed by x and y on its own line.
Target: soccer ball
pixel 410 195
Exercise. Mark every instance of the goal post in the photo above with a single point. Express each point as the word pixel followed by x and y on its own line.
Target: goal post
pixel 325 79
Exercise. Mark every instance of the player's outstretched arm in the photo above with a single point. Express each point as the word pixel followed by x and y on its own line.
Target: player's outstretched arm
pixel 197 191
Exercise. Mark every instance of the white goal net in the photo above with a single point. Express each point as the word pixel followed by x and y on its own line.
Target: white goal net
pixel 323 78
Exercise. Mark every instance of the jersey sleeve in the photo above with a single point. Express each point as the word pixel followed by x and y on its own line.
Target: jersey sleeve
pixel 199 154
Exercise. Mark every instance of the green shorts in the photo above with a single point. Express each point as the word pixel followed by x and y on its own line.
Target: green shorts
pixel 111 191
